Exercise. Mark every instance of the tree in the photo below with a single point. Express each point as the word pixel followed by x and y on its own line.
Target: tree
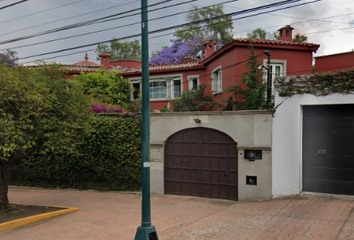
pixel 105 87
pixel 257 33
pixel 156 52
pixel 38 108
pixel 252 96
pixel 179 50
pixel 121 50
pixel 8 58
pixel 194 100
pixel 299 38
pixel 276 35
pixel 208 23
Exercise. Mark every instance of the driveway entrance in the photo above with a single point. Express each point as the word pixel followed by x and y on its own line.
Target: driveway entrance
pixel 201 162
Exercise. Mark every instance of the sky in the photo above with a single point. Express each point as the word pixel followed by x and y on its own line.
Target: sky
pixel 329 23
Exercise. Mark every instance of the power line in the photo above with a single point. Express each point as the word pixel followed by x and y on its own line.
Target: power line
pixel 63 19
pixel 107 29
pixel 84 23
pixel 180 25
pixel 105 19
pixel 13 4
pixel 35 13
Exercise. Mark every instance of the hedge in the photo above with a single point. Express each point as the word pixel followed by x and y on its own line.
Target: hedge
pixel 108 159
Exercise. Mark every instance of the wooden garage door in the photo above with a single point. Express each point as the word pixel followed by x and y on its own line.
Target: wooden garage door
pixel 328 149
pixel 201 162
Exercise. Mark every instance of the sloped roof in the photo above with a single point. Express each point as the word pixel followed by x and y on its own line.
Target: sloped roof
pixel 152 68
pixel 86 62
pixel 82 68
pixel 258 42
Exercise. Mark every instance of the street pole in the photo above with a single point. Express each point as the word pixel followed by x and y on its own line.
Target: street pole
pixel 269 83
pixel 146 231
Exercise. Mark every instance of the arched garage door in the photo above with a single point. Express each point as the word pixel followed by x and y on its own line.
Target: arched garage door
pixel 328 149
pixel 201 162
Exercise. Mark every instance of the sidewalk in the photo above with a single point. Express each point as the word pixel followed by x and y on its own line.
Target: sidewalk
pixel 110 215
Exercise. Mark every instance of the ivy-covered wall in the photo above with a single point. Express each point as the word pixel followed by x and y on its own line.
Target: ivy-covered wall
pixel 108 159
pixel 318 84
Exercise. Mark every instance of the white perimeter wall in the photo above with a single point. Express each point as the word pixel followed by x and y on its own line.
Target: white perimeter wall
pixel 287 139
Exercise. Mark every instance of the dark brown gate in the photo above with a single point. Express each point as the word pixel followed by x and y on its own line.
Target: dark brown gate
pixel 201 162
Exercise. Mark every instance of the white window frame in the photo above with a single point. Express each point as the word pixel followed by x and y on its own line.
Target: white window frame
pixel 173 87
pixel 274 63
pixel 169 85
pixel 190 83
pixel 216 75
pixel 159 80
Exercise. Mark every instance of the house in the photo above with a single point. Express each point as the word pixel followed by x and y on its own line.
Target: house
pixel 334 62
pixel 218 69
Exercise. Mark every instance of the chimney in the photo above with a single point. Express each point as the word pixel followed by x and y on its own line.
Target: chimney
pixel 286 33
pixel 209 48
pixel 105 59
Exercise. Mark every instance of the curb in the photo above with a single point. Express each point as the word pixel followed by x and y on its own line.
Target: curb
pixel 36 218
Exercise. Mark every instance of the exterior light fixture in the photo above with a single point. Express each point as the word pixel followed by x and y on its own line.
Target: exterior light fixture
pixel 269 84
pixel 197 120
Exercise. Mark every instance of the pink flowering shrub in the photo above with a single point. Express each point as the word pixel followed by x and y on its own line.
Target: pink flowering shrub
pixel 105 109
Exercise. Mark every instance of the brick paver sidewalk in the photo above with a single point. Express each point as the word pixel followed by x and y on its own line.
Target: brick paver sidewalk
pixel 110 215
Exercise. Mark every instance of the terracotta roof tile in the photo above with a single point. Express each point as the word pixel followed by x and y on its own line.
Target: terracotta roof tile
pixel 157 67
pixel 272 42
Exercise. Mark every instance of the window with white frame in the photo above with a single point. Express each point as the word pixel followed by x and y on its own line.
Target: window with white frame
pixel 176 87
pixel 158 89
pixel 217 80
pixel 193 82
pixel 165 87
pixel 136 90
pixel 277 69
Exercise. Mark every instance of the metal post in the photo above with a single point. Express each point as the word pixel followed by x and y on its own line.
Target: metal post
pixel 146 231
pixel 269 83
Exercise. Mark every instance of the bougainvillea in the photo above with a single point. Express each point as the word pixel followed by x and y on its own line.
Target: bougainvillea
pixel 105 109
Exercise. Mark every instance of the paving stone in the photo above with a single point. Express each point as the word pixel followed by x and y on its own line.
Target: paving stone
pixel 112 215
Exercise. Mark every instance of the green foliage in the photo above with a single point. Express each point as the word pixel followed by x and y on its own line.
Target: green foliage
pixel 276 34
pixel 38 108
pixel 105 87
pixel 257 33
pixel 299 38
pixel 194 100
pixel 218 29
pixel 121 50
pixel 165 109
pixel 250 97
pixel 318 84
pixel 108 159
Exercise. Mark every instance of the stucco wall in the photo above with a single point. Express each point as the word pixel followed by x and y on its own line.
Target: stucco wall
pixel 287 139
pixel 249 129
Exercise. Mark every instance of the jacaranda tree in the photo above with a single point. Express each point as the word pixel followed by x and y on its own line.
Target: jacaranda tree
pixel 180 49
pixel 38 108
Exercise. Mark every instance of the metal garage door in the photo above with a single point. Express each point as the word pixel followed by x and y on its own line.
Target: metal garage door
pixel 328 149
pixel 201 162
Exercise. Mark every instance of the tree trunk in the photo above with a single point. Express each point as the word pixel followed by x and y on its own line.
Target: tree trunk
pixel 4 186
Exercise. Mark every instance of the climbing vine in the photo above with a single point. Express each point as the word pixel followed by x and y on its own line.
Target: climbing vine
pixel 317 84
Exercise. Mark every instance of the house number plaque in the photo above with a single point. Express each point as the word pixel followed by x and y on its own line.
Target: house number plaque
pixel 322 152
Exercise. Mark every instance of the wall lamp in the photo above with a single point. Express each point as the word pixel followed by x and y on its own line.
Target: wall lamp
pixel 197 120
pixel 262 66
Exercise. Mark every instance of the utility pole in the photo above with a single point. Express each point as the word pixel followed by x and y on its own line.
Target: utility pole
pixel 146 231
